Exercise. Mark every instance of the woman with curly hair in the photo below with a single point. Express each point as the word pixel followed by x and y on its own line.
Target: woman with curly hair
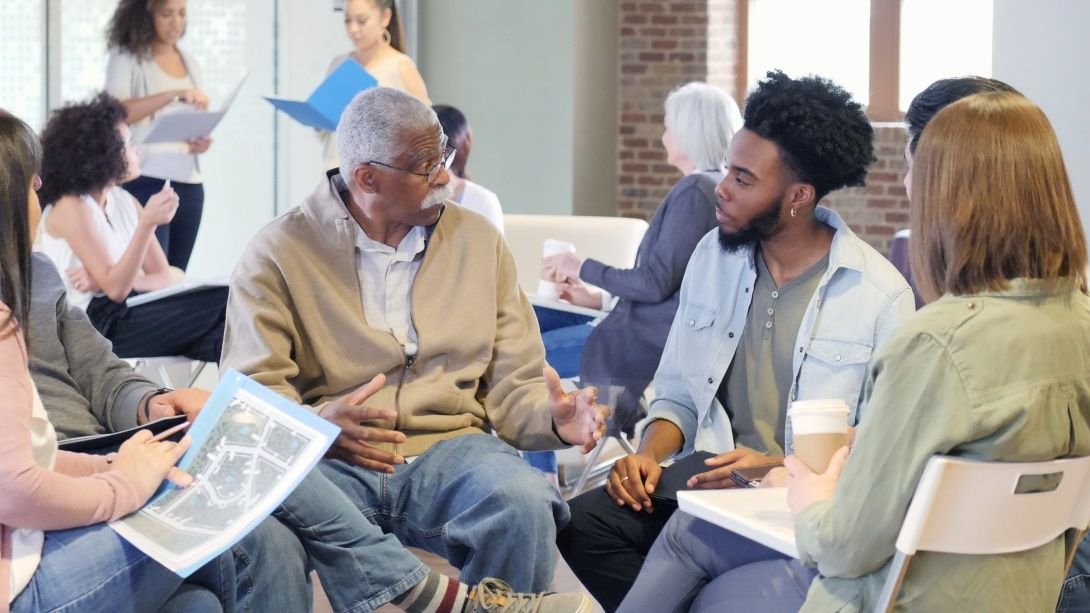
pixel 99 236
pixel 151 75
pixel 56 551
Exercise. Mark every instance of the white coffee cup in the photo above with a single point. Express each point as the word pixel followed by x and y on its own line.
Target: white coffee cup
pixel 818 429
pixel 552 246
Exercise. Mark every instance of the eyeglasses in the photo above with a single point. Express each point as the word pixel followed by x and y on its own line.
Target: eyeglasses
pixel 444 164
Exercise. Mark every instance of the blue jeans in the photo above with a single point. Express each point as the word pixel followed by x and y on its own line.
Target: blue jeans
pixel 271 570
pixel 564 336
pixel 361 567
pixel 1075 597
pixel 698 566
pixel 470 499
pixel 94 569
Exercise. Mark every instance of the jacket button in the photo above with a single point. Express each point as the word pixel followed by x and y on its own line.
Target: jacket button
pixel 837 357
pixel 692 322
pixel 710 380
pixel 730 334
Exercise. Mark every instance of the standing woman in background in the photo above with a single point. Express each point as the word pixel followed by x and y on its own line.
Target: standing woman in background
pixel 375 30
pixel 470 195
pixel 150 75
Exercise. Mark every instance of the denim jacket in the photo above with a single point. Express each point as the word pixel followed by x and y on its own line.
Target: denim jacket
pixel 859 302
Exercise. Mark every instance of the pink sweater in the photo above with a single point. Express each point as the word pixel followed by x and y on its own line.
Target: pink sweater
pixel 81 490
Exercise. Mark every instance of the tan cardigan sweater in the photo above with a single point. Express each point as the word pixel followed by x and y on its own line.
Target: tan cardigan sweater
pixel 295 323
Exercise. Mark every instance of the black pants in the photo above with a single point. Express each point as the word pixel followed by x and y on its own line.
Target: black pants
pixel 178 237
pixel 605 544
pixel 189 324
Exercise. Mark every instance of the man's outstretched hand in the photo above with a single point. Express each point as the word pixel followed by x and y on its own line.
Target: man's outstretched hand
pixel 578 417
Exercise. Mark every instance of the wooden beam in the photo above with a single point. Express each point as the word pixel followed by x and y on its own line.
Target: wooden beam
pixel 885 54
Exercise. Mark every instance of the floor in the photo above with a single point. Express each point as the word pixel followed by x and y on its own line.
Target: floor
pixel 564 581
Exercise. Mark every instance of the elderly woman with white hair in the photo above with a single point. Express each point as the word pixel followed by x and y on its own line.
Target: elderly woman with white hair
pixel 624 349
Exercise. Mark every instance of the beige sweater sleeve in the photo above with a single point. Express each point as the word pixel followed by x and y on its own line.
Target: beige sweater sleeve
pixel 260 334
pixel 517 402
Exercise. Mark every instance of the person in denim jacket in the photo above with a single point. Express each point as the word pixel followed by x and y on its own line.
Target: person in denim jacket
pixel 782 302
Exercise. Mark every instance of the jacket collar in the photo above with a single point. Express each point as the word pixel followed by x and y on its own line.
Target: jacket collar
pixel 326 205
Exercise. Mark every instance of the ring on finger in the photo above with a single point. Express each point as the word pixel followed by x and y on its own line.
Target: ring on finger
pixel 625 478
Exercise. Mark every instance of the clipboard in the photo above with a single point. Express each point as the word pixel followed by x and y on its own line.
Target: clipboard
pixel 187 125
pixel 322 110
pixel 174 290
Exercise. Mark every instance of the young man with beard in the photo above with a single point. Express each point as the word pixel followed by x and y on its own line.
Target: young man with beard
pixel 782 302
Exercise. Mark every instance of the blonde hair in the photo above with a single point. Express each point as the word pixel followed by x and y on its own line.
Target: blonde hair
pixel 991 200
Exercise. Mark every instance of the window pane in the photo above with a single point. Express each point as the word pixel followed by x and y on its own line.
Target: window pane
pixel 800 37
pixel 22 60
pixel 941 39
pixel 83 48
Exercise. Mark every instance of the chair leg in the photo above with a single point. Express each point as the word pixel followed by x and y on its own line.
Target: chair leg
pixel 894 580
pixel 1072 544
pixel 196 373
pixel 589 468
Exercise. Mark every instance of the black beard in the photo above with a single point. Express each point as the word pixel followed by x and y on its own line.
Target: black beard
pixel 758 229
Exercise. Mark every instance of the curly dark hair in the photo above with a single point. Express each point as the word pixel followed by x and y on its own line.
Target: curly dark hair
pixel 132 27
pixel 81 148
pixel 823 135
pixel 941 94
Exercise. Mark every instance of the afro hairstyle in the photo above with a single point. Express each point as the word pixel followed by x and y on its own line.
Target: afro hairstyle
pixel 823 135
pixel 82 149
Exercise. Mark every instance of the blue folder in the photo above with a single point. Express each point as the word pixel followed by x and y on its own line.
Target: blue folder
pixel 322 110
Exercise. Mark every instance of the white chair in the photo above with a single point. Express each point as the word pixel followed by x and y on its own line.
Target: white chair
pixel 978 508
pixel 168 371
pixel 613 240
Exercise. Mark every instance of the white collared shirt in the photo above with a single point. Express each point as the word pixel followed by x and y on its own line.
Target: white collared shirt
pixel 386 281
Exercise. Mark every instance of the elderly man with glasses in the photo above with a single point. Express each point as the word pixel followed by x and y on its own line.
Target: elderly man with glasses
pixel 399 318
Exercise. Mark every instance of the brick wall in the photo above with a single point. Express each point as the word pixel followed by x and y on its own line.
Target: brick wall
pixel 878 210
pixel 663 44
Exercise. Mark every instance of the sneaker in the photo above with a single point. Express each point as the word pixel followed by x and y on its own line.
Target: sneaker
pixel 495 596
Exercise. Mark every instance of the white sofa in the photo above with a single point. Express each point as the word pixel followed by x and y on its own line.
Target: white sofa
pixel 613 240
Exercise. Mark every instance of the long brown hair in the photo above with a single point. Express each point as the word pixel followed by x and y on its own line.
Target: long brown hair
pixel 991 200
pixel 132 27
pixel 20 160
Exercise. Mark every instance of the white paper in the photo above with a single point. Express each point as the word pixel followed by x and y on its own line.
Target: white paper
pixel 759 514
pixel 250 448
pixel 188 125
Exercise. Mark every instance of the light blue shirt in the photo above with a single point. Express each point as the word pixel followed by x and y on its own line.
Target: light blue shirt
pixel 859 302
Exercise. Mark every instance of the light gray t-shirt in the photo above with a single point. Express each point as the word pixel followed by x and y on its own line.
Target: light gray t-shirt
pixel 755 390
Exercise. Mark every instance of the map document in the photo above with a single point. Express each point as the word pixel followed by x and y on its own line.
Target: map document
pixel 250 448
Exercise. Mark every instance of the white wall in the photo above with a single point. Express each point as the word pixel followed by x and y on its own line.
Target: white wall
pixel 311 35
pixel 1041 50
pixel 537 82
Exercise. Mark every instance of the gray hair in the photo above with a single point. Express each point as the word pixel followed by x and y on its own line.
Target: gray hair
pixel 702 119
pixel 373 125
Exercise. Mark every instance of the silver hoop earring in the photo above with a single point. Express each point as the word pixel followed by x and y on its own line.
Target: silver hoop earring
pixel 387 37
pixel 794 212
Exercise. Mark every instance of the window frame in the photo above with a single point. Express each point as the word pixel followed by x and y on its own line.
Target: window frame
pixel 884 75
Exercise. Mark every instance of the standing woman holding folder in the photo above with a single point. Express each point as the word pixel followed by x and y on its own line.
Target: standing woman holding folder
pixel 375 31
pixel 151 76
pixel 102 241
pixel 56 551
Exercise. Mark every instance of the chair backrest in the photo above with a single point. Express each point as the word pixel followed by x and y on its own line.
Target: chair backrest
pixel 972 507
pixel 612 240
